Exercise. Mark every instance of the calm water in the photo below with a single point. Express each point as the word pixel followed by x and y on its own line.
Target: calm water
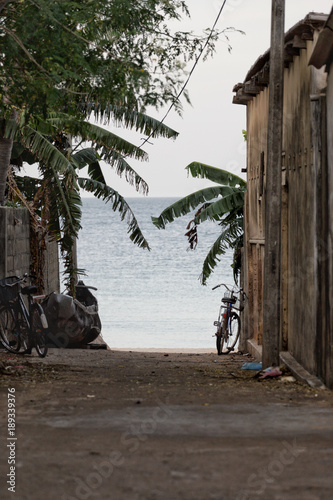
pixel 150 299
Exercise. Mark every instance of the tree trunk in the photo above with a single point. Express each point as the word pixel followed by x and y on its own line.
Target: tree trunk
pixel 5 154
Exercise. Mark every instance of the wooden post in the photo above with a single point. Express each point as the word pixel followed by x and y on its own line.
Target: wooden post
pixel 272 266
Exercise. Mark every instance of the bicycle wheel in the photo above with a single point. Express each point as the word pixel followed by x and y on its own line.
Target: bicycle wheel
pixel 38 330
pixel 219 340
pixel 9 332
pixel 220 324
pixel 24 334
pixel 231 334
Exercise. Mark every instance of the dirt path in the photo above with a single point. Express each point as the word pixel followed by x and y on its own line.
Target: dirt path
pixel 135 425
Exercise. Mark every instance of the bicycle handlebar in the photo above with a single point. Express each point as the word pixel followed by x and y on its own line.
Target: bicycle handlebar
pixel 18 279
pixel 233 288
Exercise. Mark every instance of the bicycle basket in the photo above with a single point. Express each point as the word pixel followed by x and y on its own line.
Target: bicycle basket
pixel 228 298
pixel 240 302
pixel 8 293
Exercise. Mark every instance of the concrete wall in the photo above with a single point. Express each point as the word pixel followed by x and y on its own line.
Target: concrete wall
pixel 15 257
pixel 14 241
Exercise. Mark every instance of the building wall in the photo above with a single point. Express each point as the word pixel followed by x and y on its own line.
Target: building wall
pixel 307 214
pixel 300 263
pixel 257 112
pixel 306 329
pixel 329 98
pixel 15 257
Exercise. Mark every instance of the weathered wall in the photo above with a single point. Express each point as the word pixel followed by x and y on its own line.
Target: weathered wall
pixel 300 262
pixel 14 241
pixel 257 113
pixel 329 115
pixel 15 256
pixel 307 201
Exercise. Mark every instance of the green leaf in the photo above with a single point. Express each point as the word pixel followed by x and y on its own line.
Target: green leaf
pixel 45 151
pixel 189 203
pixel 119 204
pixel 132 119
pixel 104 139
pixel 88 156
pixel 203 171
pixel 227 239
pixel 216 210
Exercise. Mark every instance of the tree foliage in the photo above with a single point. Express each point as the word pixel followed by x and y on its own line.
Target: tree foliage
pixel 64 62
pixel 222 203
pixel 93 55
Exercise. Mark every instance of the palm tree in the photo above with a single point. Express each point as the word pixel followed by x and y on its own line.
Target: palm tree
pixel 56 196
pixel 222 203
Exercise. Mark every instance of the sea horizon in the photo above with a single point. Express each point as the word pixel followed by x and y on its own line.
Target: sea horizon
pixel 150 299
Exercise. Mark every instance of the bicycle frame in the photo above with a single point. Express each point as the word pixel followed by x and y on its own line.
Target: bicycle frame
pixel 228 324
pixel 24 314
pixel 24 310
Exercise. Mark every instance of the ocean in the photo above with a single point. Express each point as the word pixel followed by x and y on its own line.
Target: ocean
pixel 150 299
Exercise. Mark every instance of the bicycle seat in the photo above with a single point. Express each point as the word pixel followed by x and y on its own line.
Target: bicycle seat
pixel 29 290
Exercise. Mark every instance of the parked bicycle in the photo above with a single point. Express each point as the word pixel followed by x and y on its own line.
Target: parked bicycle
pixel 22 326
pixel 228 323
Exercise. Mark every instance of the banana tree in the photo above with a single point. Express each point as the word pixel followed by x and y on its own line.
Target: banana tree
pixel 222 203
pixel 56 195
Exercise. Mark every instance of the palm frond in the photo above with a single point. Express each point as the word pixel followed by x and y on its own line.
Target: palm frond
pixel 104 138
pixel 119 204
pixel 132 119
pixel 85 157
pixel 188 203
pixel 122 167
pixel 89 157
pixel 229 203
pixel 203 171
pixel 105 152
pixel 45 152
pixel 11 128
pixel 68 203
pixel 227 239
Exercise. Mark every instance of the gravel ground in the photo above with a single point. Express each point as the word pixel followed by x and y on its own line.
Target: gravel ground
pixel 105 424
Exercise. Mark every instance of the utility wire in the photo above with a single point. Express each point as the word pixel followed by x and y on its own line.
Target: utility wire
pixel 189 76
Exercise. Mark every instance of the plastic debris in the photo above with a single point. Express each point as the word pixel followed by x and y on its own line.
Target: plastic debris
pixel 287 378
pixel 271 372
pixel 252 366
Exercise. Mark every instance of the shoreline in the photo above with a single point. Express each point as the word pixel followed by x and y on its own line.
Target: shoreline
pixel 184 350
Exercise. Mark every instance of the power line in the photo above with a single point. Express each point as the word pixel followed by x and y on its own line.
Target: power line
pixel 189 76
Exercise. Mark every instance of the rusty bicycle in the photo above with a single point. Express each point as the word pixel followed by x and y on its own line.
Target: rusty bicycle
pixel 228 322
pixel 22 325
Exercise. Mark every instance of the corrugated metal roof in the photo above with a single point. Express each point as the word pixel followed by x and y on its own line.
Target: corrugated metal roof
pixel 323 51
pixel 257 77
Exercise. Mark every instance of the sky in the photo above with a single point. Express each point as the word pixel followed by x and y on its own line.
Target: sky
pixel 210 130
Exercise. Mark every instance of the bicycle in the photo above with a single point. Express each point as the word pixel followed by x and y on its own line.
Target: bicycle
pixel 228 323
pixel 22 326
